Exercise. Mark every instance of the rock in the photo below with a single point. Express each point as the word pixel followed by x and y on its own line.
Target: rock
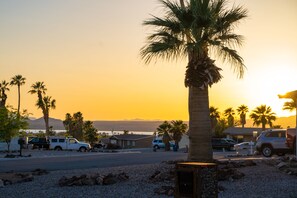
pixel 165 190
pixel 282 165
pixel 95 179
pixel 39 171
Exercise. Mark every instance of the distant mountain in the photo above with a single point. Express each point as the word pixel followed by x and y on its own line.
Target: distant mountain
pixel 134 125
pixel 137 125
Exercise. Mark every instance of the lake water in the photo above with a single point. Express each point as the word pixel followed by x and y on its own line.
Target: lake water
pixel 100 132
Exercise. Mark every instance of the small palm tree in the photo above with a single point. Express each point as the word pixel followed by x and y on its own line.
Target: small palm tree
pixel 263 115
pixel 18 80
pixel 192 29
pixel 229 113
pixel 214 117
pixel 242 111
pixel 178 128
pixel 163 130
pixel 3 95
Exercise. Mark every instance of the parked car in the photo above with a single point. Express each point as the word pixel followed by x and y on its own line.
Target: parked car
pixel 271 142
pixel 39 142
pixel 291 139
pixel 221 143
pixel 245 147
pixel 158 143
pixel 65 143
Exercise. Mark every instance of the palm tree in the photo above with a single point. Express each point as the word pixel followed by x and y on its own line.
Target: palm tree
pixel 48 103
pixel 214 117
pixel 242 111
pixel 229 113
pixel 263 115
pixel 18 80
pixel 3 96
pixel 39 89
pixel 178 128
pixel 163 130
pixel 291 105
pixel 191 29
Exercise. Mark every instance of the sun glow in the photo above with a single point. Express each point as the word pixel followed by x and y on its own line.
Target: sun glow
pixel 274 78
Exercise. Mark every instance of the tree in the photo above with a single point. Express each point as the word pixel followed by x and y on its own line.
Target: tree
pixel 163 130
pixel 229 113
pixel 90 132
pixel 45 103
pixel 214 117
pixel 177 129
pixel 3 95
pixel 18 80
pixel 292 104
pixel 74 125
pixel 263 115
pixel 10 124
pixel 194 29
pixel 242 111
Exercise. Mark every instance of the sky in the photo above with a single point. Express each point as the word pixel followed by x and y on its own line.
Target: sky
pixel 87 55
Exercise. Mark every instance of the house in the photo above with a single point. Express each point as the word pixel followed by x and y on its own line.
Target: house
pixel 132 141
pixel 243 134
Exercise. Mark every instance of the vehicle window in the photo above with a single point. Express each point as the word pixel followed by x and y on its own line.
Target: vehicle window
pixel 283 134
pixel 160 141
pixel 71 141
pixel 61 140
pixel 54 140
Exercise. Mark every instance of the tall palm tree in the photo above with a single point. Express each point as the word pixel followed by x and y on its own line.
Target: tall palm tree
pixel 242 111
pixel 3 95
pixel 263 115
pixel 193 29
pixel 178 128
pixel 229 113
pixel 18 80
pixel 40 89
pixel 163 130
pixel 214 117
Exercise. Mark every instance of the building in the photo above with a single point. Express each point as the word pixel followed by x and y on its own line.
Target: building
pixel 132 141
pixel 243 134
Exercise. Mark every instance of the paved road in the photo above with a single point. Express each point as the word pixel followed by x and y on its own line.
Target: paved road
pixel 88 160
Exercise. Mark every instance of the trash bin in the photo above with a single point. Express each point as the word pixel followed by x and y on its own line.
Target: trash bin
pixel 195 179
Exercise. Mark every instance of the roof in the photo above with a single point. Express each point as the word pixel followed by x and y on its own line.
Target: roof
pixel 242 131
pixel 131 137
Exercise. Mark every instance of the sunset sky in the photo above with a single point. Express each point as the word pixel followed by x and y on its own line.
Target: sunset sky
pixel 87 54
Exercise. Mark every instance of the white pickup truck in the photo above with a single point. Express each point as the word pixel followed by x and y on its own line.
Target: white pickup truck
pixel 67 143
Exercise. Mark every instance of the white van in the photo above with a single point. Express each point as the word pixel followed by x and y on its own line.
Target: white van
pixel 68 143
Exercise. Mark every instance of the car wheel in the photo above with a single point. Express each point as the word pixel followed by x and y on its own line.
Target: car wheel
pixel 156 147
pixel 267 151
pixel 58 148
pixel 82 149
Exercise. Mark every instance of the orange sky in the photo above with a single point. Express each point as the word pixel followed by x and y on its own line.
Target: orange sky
pixel 87 54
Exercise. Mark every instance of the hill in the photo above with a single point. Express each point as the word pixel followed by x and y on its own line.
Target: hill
pixel 137 125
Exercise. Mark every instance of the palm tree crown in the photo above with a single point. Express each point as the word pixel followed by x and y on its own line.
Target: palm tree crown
pixel 229 113
pixel 263 115
pixel 194 29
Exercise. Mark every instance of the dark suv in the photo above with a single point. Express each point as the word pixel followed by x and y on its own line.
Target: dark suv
pixel 221 143
pixel 39 143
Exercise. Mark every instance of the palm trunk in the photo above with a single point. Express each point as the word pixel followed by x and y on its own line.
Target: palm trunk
pixel 19 97
pixel 200 148
pixel 46 120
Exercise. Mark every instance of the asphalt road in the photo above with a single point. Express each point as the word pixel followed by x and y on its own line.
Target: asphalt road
pixel 86 160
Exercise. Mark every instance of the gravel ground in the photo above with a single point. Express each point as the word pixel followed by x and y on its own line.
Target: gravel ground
pixel 262 180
